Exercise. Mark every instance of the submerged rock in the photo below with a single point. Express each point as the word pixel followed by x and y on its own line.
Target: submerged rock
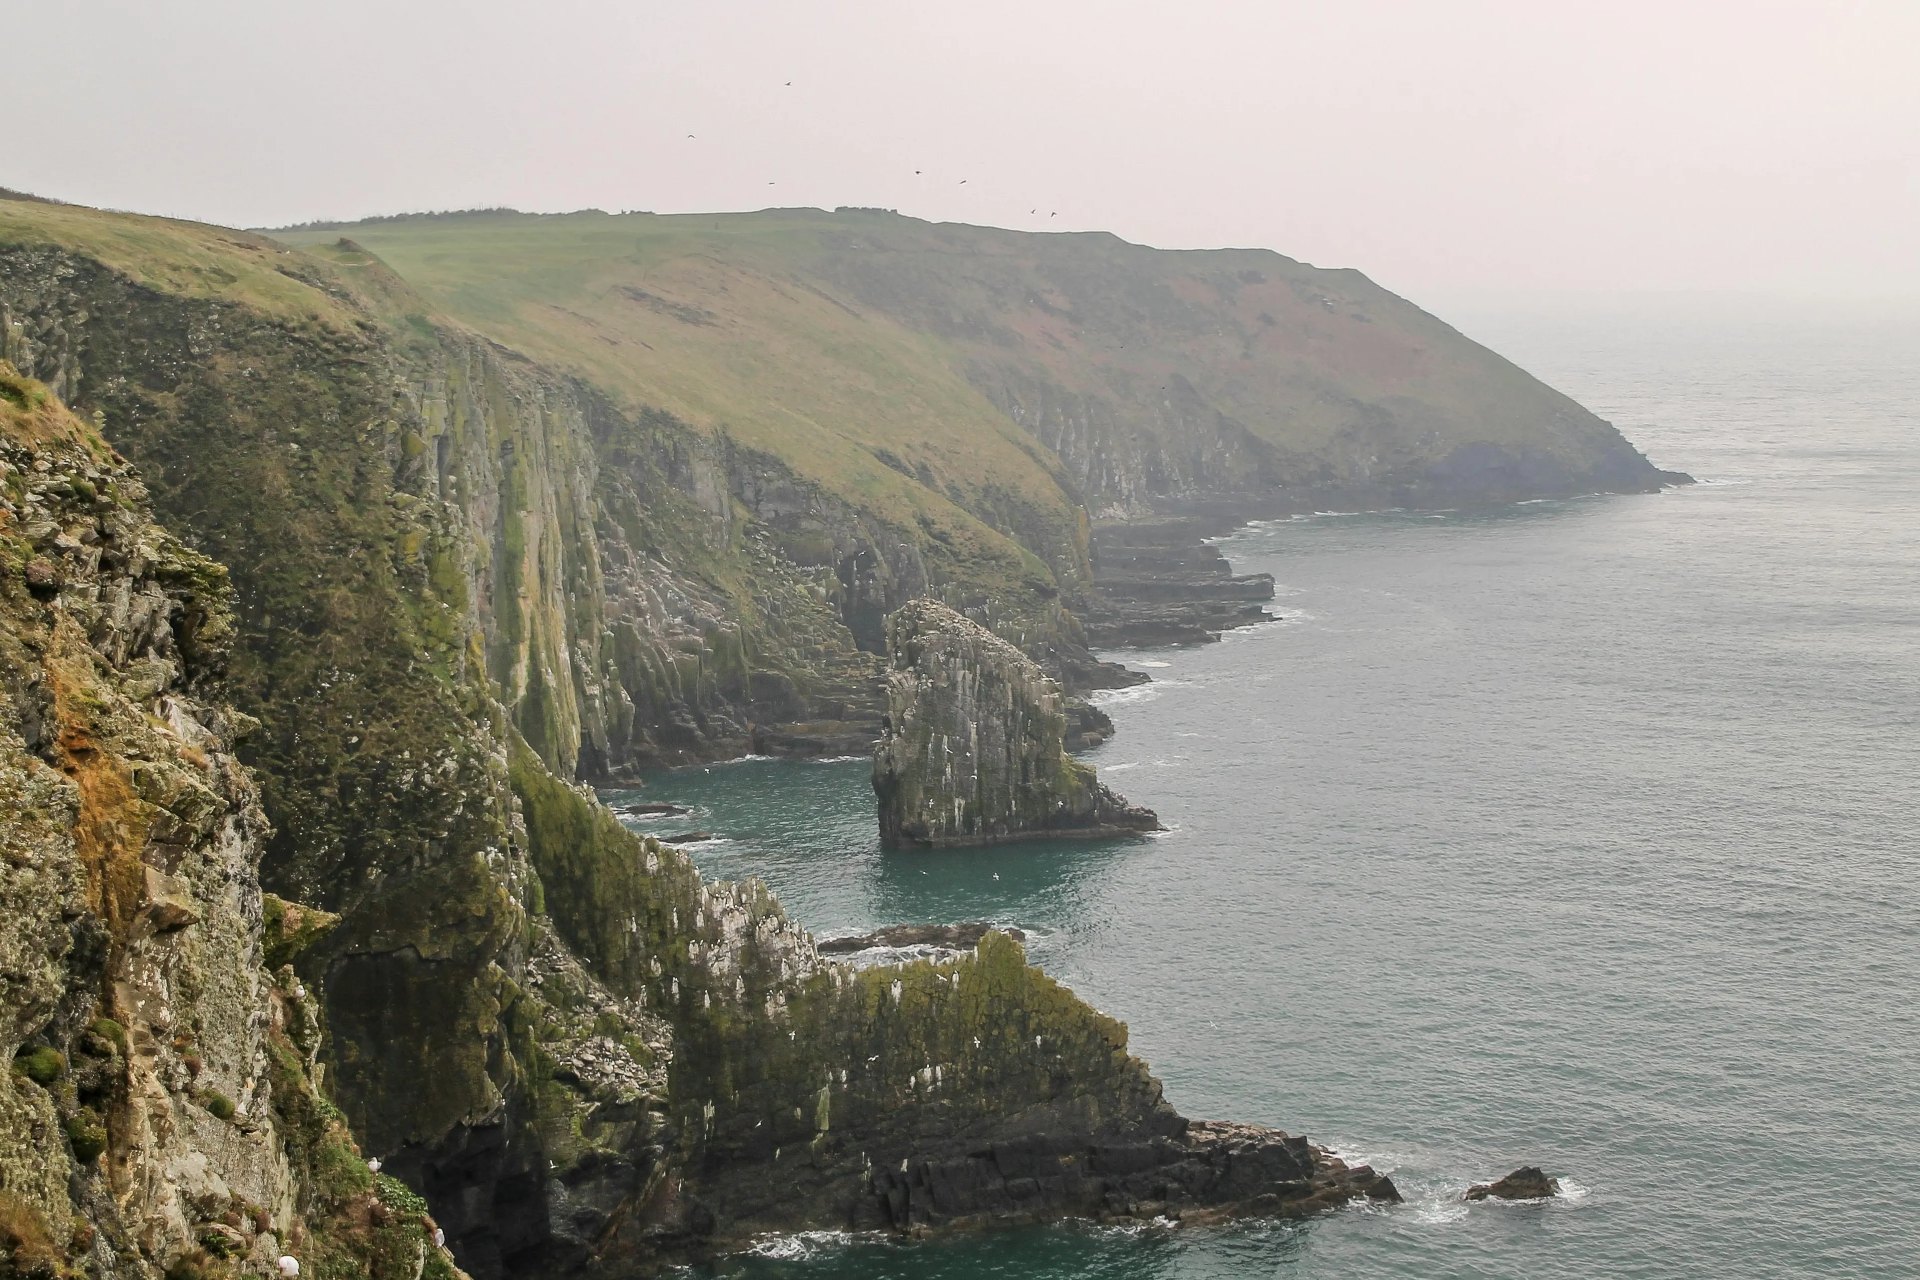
pixel 652 809
pixel 1529 1183
pixel 973 750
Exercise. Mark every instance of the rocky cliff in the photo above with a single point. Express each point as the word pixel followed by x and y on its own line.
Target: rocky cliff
pixel 974 749
pixel 161 1115
pixel 461 580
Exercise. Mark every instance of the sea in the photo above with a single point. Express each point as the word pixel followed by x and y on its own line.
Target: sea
pixel 1581 833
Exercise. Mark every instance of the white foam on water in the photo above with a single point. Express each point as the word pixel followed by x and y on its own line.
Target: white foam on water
pixel 801 1246
pixel 1352 1155
pixel 1438 1212
pixel 1133 693
pixel 1153 664
pixel 822 759
pixel 1256 630
pixel 877 957
pixel 1128 1230
pixel 1119 768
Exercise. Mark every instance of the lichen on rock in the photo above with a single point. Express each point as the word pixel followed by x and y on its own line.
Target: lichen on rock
pixel 161 1116
pixel 974 745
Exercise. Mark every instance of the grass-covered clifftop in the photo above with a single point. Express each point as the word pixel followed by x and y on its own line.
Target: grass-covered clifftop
pixel 1149 377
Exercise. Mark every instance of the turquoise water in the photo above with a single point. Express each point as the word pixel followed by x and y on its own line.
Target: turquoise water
pixel 1579 833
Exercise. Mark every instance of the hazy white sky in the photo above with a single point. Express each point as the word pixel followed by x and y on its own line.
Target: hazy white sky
pixel 1768 145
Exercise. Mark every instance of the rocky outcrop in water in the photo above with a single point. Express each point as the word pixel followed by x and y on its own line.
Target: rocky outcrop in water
pixel 945 937
pixel 974 747
pixel 1528 1183
pixel 1160 583
pixel 1187 1171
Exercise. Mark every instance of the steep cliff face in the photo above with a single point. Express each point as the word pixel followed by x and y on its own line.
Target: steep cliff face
pixel 975 745
pixel 160 1115
pixel 579 1052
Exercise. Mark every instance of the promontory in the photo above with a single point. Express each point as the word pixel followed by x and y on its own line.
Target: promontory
pixel 341 564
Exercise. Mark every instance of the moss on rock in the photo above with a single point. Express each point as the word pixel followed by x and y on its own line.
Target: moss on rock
pixel 974 748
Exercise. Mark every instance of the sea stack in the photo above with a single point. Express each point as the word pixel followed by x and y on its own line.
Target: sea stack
pixel 973 751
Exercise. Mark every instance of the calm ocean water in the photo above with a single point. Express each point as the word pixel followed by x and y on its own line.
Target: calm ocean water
pixel 1578 833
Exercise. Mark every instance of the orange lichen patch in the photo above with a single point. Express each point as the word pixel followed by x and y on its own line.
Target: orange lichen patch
pixel 30 414
pixel 113 821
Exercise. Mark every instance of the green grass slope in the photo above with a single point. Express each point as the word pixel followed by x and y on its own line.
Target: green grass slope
pixel 712 323
pixel 836 341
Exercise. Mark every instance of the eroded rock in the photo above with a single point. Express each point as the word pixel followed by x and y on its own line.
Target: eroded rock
pixel 162 1116
pixel 974 746
pixel 1528 1183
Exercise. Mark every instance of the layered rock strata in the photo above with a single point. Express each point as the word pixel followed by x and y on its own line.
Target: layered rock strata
pixel 161 1116
pixel 1161 583
pixel 974 746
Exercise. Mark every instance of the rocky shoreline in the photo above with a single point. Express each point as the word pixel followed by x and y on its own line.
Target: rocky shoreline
pixel 1161 583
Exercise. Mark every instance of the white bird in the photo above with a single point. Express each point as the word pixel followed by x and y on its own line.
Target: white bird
pixel 439 1238
pixel 373 1165
pixel 996 875
pixel 289 1266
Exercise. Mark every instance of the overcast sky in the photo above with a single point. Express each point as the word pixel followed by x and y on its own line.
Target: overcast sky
pixel 1438 145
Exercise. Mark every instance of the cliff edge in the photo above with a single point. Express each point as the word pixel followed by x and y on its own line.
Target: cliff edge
pixel 162 1116
pixel 973 750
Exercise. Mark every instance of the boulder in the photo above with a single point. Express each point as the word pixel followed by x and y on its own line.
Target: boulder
pixel 1529 1183
pixel 973 748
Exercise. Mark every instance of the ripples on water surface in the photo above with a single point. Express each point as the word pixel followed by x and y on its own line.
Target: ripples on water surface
pixel 1580 833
